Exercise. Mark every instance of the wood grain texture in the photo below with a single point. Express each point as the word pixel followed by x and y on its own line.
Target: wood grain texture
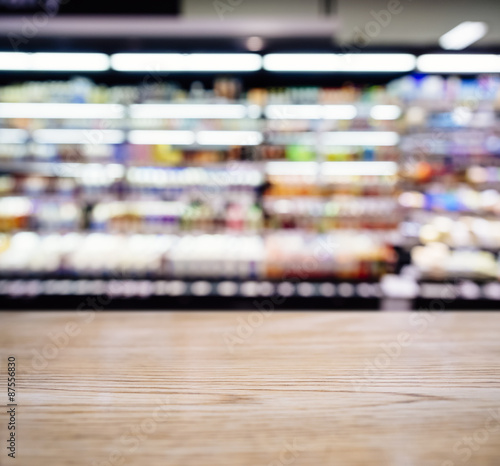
pixel 160 389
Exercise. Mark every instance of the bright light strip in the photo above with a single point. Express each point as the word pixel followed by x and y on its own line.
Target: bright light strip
pixel 66 111
pixel 293 112
pixel 292 168
pixel 70 62
pixel 329 62
pixel 80 170
pixel 187 111
pixel 13 136
pixel 14 61
pixel 463 35
pixel 229 138
pixel 359 168
pixel 157 62
pixel 360 138
pixel 78 136
pixel 161 137
pixel 332 168
pixel 310 112
pixel 458 63
pixel 339 112
pixel 54 61
pixel 385 112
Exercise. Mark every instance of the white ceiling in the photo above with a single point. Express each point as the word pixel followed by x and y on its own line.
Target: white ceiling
pixel 419 22
pixel 238 9
pixel 414 23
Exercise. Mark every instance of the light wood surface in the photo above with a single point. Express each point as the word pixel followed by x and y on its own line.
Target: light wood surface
pixel 160 389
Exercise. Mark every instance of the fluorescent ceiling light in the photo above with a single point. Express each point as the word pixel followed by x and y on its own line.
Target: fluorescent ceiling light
pixel 14 61
pixel 385 112
pixel 157 62
pixel 310 112
pixel 187 111
pixel 80 111
pixel 161 137
pixel 360 138
pixel 329 62
pixel 229 138
pixel 463 35
pixel 69 62
pixel 13 136
pixel 78 136
pixel 359 168
pixel 225 62
pixel 54 61
pixel 458 63
pixel 292 168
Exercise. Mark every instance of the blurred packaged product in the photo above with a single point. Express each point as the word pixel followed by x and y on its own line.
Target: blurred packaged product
pixel 272 256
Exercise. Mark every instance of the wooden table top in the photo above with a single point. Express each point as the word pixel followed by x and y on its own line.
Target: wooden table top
pixel 315 388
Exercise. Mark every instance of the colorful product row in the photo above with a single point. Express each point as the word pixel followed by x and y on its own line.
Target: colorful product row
pixel 275 256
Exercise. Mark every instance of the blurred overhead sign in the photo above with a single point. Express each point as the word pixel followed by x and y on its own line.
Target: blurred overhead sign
pixel 90 7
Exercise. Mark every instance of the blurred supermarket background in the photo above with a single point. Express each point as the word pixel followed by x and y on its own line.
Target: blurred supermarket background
pixel 240 154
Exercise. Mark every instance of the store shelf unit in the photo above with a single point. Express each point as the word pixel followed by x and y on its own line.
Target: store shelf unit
pixel 449 177
pixel 380 176
pixel 265 296
pixel 94 295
